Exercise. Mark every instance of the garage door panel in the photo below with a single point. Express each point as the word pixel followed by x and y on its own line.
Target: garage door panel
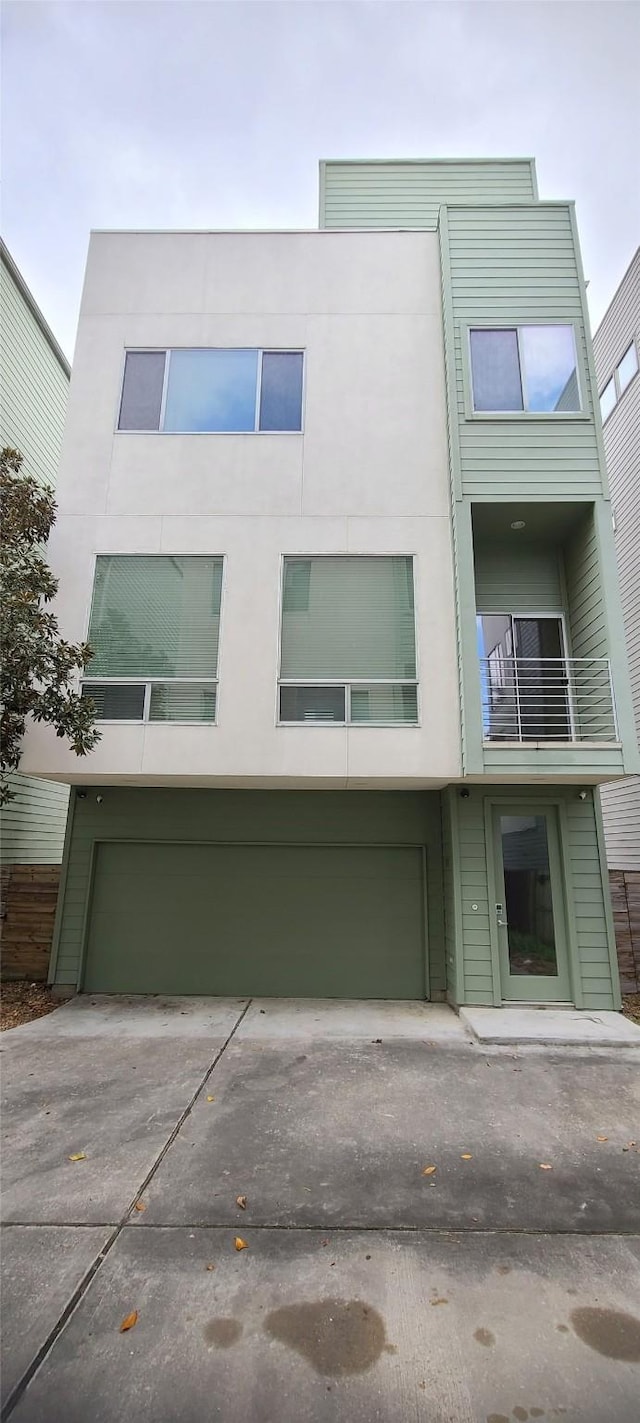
pixel 326 921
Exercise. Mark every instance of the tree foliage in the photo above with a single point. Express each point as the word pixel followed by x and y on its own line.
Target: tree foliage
pixel 39 668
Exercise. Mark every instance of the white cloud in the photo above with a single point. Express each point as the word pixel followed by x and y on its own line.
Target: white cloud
pixel 191 113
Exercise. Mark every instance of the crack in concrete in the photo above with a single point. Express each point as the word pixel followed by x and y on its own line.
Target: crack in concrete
pixel 89 1275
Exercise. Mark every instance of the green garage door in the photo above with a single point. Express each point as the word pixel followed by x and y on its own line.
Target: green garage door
pixel 279 920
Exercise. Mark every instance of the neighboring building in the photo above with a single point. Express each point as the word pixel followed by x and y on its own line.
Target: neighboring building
pixel 616 346
pixel 334 517
pixel 34 389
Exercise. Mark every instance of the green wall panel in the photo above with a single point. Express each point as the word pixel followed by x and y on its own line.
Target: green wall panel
pixel 520 580
pixel 588 913
pixel 331 818
pixel 514 265
pixel 34 388
pixel 409 193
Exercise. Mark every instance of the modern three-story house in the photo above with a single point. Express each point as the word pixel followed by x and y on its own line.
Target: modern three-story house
pixel 334 518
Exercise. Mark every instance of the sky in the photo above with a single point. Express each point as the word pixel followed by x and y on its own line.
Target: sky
pixel 215 113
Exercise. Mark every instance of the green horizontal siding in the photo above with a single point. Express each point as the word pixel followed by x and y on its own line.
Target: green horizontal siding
pixel 584 760
pixel 409 194
pixel 518 265
pixel 34 385
pixel 183 816
pixel 34 388
pixel 33 824
pixel 587 616
pixel 522 580
pixel 587 907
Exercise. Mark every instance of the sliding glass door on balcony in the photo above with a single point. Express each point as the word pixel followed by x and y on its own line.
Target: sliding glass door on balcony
pixel 525 678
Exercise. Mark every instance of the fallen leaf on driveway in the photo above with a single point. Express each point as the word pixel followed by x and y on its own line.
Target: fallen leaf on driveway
pixel 466 1156
pixel 241 1244
pixel 602 1138
pixel 129 1321
pixel 544 1166
pixel 211 1099
pixel 241 1201
pixel 429 1170
pixel 77 1156
pixel 210 1267
pixel 140 1206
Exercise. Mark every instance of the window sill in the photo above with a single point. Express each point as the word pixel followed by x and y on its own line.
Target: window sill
pixel 120 721
pixel 212 433
pixel 524 416
pixel 352 725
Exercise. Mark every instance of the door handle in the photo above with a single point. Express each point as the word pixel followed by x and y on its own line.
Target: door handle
pixel 503 924
pixel 499 912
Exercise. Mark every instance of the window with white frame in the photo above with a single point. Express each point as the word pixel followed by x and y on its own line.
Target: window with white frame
pixel 154 631
pixel 622 377
pixel 348 652
pixel 524 369
pixel 212 390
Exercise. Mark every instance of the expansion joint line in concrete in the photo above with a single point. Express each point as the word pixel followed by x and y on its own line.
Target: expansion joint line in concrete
pixel 81 1289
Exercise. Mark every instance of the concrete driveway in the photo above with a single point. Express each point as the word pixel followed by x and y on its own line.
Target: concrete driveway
pixel 502 1285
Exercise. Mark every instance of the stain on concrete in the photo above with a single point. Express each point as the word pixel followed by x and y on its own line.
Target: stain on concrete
pixel 335 1336
pixel 521 1413
pixel 562 1328
pixel 484 1336
pixel 536 1412
pixel 498 1418
pixel 504 1269
pixel 222 1332
pixel 611 1332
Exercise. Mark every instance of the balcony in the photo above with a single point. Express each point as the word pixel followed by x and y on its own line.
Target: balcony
pixel 547 699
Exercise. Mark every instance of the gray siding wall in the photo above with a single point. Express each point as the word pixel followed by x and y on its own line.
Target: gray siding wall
pixel 588 914
pixel 35 388
pixel 350 817
pixel 621 323
pixel 33 398
pixel 409 194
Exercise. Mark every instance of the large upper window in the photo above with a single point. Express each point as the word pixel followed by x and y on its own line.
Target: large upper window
pixel 154 631
pixel 236 390
pixel 524 368
pixel 348 641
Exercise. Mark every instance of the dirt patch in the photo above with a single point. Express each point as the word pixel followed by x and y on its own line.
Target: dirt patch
pixel 631 1006
pixel 21 1002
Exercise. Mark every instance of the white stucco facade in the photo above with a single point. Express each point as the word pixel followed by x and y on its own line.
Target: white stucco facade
pixel 367 475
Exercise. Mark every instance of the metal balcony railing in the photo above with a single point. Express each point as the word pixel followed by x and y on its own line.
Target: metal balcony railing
pixel 547 699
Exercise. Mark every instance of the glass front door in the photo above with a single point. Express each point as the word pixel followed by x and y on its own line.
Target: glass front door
pixel 529 906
